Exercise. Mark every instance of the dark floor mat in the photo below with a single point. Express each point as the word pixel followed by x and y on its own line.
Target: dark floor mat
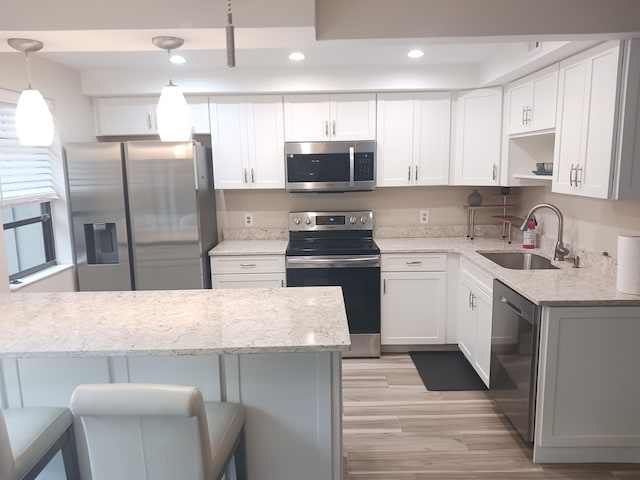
pixel 446 371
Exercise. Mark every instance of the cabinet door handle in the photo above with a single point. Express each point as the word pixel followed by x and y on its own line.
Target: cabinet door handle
pixel 469 301
pixel 495 172
pixel 248 265
pixel 333 128
pixel 473 301
pixel 281 283
pixel 149 125
pixel 414 262
pixel 575 180
pixel 571 176
pixel 253 176
pixel 245 175
pixel 416 173
pixel 524 115
pixel 384 286
pixel 326 128
pixel 529 115
pixel 409 173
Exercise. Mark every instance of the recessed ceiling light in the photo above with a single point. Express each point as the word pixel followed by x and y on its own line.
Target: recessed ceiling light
pixel 296 56
pixel 177 59
pixel 415 54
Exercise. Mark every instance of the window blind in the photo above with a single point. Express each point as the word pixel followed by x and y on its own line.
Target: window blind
pixel 26 173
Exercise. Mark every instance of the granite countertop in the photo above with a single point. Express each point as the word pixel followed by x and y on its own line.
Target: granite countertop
pixel 176 322
pixel 566 286
pixel 250 247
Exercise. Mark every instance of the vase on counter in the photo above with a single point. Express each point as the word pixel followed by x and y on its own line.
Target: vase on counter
pixel 474 199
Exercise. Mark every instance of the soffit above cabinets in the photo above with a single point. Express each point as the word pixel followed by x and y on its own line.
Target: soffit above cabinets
pixel 117 40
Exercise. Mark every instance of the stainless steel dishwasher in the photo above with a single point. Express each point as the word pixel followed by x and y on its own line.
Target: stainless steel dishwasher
pixel 515 339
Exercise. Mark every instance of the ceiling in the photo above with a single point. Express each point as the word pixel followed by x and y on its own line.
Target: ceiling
pixel 87 36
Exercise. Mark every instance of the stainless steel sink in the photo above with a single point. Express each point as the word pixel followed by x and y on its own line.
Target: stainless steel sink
pixel 519 260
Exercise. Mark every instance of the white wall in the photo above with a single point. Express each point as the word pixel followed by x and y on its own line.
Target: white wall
pixel 74 119
pixel 590 223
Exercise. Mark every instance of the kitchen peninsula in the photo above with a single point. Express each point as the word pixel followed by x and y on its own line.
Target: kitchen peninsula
pixel 277 351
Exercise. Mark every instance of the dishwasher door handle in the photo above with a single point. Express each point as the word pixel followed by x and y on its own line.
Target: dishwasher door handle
pixel 511 305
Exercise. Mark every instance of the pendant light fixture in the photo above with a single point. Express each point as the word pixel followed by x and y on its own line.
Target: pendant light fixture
pixel 231 44
pixel 173 113
pixel 34 124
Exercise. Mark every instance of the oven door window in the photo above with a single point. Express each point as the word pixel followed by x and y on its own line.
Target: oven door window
pixel 323 167
pixel 360 287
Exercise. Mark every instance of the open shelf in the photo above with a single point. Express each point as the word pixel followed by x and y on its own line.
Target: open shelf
pixel 504 206
pixel 546 178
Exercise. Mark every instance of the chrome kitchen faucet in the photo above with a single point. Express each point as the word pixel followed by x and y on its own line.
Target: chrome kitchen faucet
pixel 560 250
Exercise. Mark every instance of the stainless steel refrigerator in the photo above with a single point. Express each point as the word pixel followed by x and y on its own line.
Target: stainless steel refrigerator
pixel 143 214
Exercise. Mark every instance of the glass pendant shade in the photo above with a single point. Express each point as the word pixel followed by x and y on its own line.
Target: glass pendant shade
pixel 34 124
pixel 173 115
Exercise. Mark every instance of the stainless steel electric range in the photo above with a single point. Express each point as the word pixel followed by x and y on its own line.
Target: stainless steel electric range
pixel 337 249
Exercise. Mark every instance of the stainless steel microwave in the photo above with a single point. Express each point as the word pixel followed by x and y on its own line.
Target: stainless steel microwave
pixel 330 166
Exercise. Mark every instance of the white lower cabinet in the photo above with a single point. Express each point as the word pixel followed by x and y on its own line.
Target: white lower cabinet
pixel 248 271
pixel 474 327
pixel 413 301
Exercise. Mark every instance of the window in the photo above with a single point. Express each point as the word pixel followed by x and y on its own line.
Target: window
pixel 26 192
pixel 28 235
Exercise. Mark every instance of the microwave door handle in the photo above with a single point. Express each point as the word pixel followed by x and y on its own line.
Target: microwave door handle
pixel 352 154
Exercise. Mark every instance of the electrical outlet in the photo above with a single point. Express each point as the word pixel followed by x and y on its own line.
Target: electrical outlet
pixel 424 216
pixel 248 219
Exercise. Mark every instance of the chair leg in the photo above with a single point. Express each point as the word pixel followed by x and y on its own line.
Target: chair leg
pixel 240 457
pixel 70 456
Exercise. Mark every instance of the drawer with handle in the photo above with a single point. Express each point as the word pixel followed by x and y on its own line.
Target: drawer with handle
pixel 418 262
pixel 247 264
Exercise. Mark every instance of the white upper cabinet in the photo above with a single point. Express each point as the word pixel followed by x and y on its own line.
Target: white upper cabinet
pixel 531 102
pixel 137 115
pixel 125 116
pixel 248 142
pixel 597 125
pixel 413 136
pixel 478 133
pixel 314 118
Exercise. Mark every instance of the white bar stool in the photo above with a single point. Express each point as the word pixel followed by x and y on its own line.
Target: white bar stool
pixel 30 437
pixel 163 432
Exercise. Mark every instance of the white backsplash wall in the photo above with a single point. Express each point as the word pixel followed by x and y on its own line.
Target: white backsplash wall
pixel 392 206
pixel 589 223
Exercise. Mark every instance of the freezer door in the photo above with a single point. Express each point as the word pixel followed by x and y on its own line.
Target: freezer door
pixel 97 208
pixel 161 182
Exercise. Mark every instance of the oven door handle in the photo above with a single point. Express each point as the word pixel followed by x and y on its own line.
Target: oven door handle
pixel 333 262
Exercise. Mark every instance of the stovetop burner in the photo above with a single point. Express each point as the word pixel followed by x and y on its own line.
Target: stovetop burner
pixel 331 233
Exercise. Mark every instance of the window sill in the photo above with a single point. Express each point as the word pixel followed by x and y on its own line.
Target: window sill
pixel 38 276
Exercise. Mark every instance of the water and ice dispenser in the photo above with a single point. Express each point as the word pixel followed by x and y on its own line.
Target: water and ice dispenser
pixel 101 243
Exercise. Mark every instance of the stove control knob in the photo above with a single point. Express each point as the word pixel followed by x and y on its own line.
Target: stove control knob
pixel 307 220
pixel 296 220
pixel 352 220
pixel 363 219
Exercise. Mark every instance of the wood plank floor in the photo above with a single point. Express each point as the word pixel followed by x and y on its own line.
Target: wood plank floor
pixel 394 429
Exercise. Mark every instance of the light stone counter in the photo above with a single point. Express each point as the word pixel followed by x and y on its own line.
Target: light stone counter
pixel 566 286
pixel 250 247
pixel 178 322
